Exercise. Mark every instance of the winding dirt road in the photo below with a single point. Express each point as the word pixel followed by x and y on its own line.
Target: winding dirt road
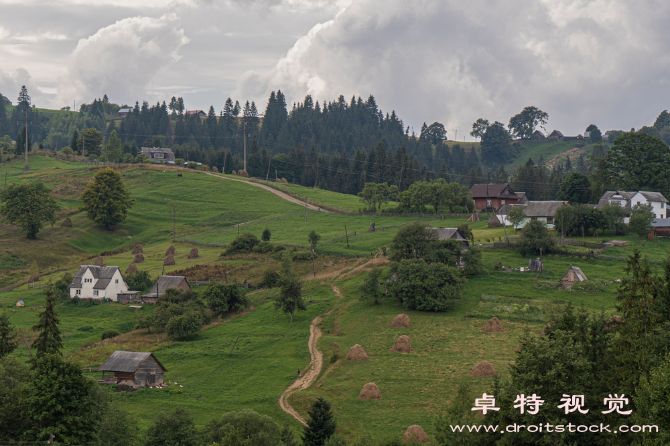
pixel 309 376
pixel 280 194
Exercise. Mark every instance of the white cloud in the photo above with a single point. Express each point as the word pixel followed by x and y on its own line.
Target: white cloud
pixel 601 61
pixel 11 83
pixel 122 59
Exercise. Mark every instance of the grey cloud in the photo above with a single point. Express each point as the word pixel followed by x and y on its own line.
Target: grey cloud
pixel 581 61
pixel 10 85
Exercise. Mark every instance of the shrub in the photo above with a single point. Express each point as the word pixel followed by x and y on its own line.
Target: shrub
pixel 263 247
pixel 277 252
pixel 301 255
pixel 111 333
pixel 266 235
pixel 138 281
pixel 243 243
pixel 85 328
pixel 223 298
pixel 270 279
pixel 183 326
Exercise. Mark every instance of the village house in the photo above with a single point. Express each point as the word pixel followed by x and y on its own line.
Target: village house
pixel 534 210
pixel 628 199
pixel 492 196
pixel 523 198
pixel 195 112
pixel 452 234
pixel 162 284
pixel 133 369
pixel 556 134
pixel 124 111
pixel 159 154
pixel 98 282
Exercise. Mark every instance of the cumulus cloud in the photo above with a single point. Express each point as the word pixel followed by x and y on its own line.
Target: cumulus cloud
pixel 11 83
pixel 596 61
pixel 122 59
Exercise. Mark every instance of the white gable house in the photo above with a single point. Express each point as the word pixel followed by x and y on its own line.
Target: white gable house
pixel 98 282
pixel 627 200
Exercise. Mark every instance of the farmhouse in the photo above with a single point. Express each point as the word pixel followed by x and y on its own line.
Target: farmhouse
pixel 134 369
pixel 628 199
pixel 538 135
pixel 451 234
pixel 573 276
pixel 195 112
pixel 492 196
pixel 98 282
pixel 556 134
pixel 159 154
pixel 163 283
pixel 124 111
pixel 534 210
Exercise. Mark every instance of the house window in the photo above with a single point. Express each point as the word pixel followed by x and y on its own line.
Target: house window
pixel 78 292
pixel 116 281
pixel 502 201
pixel 550 220
pixel 488 202
pixel 95 293
pixel 662 205
pixel 533 218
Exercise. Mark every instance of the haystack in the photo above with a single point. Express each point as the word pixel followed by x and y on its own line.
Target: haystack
pixel 139 258
pixel 518 348
pixel 401 321
pixel 494 326
pixel 171 251
pixel 99 261
pixel 132 268
pixel 370 391
pixel 193 254
pixel 169 260
pixel 483 369
pixel 357 353
pixel 138 249
pixel 402 345
pixel 67 223
pixel 415 434
pixel 34 278
pixel 494 222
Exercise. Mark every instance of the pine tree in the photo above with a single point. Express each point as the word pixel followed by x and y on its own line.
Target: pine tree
pixel 8 340
pixel 49 339
pixel 321 424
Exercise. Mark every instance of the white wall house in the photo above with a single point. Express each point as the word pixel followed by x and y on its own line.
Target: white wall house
pixel 98 282
pixel 628 199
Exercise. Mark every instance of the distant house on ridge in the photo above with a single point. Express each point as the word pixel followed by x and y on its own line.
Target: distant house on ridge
pixel 159 154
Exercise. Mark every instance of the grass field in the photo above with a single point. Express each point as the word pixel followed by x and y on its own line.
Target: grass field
pixel 270 350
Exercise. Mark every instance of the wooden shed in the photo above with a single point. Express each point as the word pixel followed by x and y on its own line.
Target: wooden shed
pixel 573 276
pixel 134 369
pixel 162 284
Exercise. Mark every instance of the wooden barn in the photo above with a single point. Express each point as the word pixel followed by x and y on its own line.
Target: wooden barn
pixel 573 276
pixel 162 284
pixel 133 369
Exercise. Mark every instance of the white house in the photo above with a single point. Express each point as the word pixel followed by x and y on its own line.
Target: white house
pixel 659 204
pixel 534 210
pixel 98 282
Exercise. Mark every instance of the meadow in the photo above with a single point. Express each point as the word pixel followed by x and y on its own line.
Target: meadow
pixel 268 349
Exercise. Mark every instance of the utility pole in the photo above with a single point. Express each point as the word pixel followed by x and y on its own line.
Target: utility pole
pixel 313 267
pixel 267 177
pixel 346 235
pixel 83 145
pixel 245 143
pixel 225 156
pixel 317 175
pixel 456 137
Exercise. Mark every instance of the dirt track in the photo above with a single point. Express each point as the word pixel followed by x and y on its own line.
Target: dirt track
pixel 277 193
pixel 309 376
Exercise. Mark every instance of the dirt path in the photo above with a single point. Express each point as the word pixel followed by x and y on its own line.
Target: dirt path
pixel 337 291
pixel 277 193
pixel 308 376
pixel 573 154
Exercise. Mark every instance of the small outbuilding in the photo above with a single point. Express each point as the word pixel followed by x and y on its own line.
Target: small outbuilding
pixel 20 304
pixel 133 369
pixel 573 276
pixel 452 234
pixel 162 284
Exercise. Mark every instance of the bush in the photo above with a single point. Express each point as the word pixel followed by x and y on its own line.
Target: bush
pixel 223 298
pixel 301 255
pixel 184 326
pixel 111 333
pixel 266 235
pixel 243 243
pixel 277 252
pixel 263 247
pixel 270 279
pixel 138 281
pixel 85 328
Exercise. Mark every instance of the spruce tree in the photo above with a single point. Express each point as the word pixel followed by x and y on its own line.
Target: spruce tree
pixel 321 424
pixel 49 339
pixel 8 340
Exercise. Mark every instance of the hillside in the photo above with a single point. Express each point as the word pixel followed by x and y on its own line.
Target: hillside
pixel 268 349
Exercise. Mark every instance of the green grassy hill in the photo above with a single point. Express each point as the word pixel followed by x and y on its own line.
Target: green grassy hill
pixel 415 386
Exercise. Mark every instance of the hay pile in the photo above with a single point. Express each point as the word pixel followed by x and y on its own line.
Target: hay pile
pixel 518 348
pixel 494 326
pixel 169 260
pixel 402 345
pixel 370 391
pixel 138 249
pixel 171 251
pixel 357 353
pixel 99 261
pixel 132 268
pixel 193 254
pixel 483 369
pixel 242 173
pixel 494 222
pixel 415 434
pixel 67 223
pixel 139 258
pixel 401 321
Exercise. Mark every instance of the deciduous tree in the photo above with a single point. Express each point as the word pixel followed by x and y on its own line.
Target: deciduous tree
pixel 28 205
pixel 107 199
pixel 523 125
pixel 290 289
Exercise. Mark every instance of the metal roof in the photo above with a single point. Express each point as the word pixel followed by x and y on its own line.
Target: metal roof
pixel 449 233
pixel 123 361
pixel 104 274
pixel 578 272
pixel 165 282
pixel 542 208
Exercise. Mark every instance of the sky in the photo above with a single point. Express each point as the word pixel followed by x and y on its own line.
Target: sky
pixel 603 62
